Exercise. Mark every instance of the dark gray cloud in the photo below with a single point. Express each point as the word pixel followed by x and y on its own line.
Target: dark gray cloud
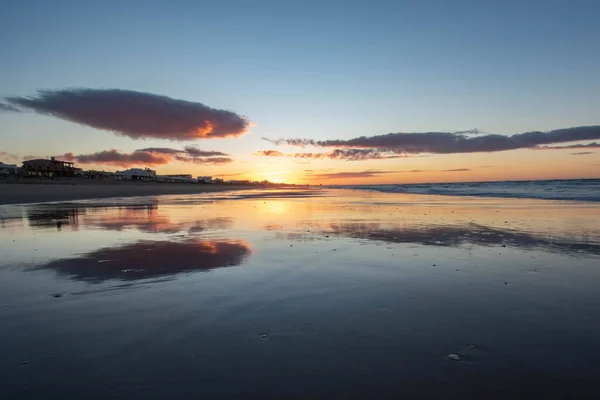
pixel 204 160
pixel 456 170
pixel 137 115
pixel 114 157
pixel 592 145
pixel 8 107
pixel 337 154
pixel 447 142
pixel 161 150
pixel 196 152
pixel 142 157
pixel 189 151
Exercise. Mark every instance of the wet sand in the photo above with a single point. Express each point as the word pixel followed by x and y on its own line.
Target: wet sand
pixel 300 295
pixel 71 189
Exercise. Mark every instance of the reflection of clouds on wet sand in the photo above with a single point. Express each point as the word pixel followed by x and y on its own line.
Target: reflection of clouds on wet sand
pixel 151 259
pixel 156 223
pixel 446 236
pixel 143 218
pixel 454 236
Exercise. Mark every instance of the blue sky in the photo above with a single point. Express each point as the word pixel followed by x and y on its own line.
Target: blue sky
pixel 322 70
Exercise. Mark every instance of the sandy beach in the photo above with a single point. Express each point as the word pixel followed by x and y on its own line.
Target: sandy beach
pixel 300 294
pixel 73 189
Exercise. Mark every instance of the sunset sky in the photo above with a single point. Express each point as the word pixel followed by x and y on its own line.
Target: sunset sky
pixel 320 92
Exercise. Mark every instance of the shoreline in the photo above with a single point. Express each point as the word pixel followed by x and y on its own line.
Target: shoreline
pixel 12 193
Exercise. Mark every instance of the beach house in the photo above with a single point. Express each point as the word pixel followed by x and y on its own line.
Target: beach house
pixel 205 179
pixel 137 174
pixel 8 169
pixel 179 178
pixel 51 168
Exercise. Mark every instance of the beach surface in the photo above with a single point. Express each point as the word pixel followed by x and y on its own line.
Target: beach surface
pixel 300 294
pixel 74 189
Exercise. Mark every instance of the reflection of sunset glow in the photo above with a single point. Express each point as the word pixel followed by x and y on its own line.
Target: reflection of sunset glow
pixel 208 247
pixel 154 221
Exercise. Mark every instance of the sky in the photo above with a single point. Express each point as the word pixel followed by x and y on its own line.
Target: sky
pixel 374 91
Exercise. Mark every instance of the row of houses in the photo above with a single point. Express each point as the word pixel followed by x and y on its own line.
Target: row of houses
pixel 53 168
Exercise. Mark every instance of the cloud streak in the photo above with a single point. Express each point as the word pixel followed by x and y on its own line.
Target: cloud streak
pixel 593 145
pixel 451 142
pixel 148 157
pixel 8 156
pixel 337 154
pixel 137 115
pixel 347 175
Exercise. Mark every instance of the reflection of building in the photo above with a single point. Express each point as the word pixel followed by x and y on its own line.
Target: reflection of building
pixel 50 168
pixel 8 169
pixel 205 179
pixel 137 174
pixel 49 217
pixel 181 178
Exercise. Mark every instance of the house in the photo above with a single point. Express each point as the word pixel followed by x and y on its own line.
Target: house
pixel 92 174
pixel 181 178
pixel 137 174
pixel 205 179
pixel 50 168
pixel 8 169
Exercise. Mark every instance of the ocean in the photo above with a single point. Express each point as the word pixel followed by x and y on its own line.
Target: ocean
pixel 560 189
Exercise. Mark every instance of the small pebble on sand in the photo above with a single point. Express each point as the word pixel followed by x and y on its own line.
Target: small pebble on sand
pixel 454 357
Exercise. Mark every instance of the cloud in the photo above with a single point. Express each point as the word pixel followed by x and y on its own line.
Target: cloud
pixel 240 174
pixel 582 153
pixel 204 160
pixel 9 156
pixel 346 175
pixel 269 153
pixel 337 154
pixel 8 107
pixel 447 142
pixel 592 145
pixel 144 157
pixel 456 170
pixel 187 150
pixel 114 157
pixel 487 166
pixel 196 152
pixel 137 115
